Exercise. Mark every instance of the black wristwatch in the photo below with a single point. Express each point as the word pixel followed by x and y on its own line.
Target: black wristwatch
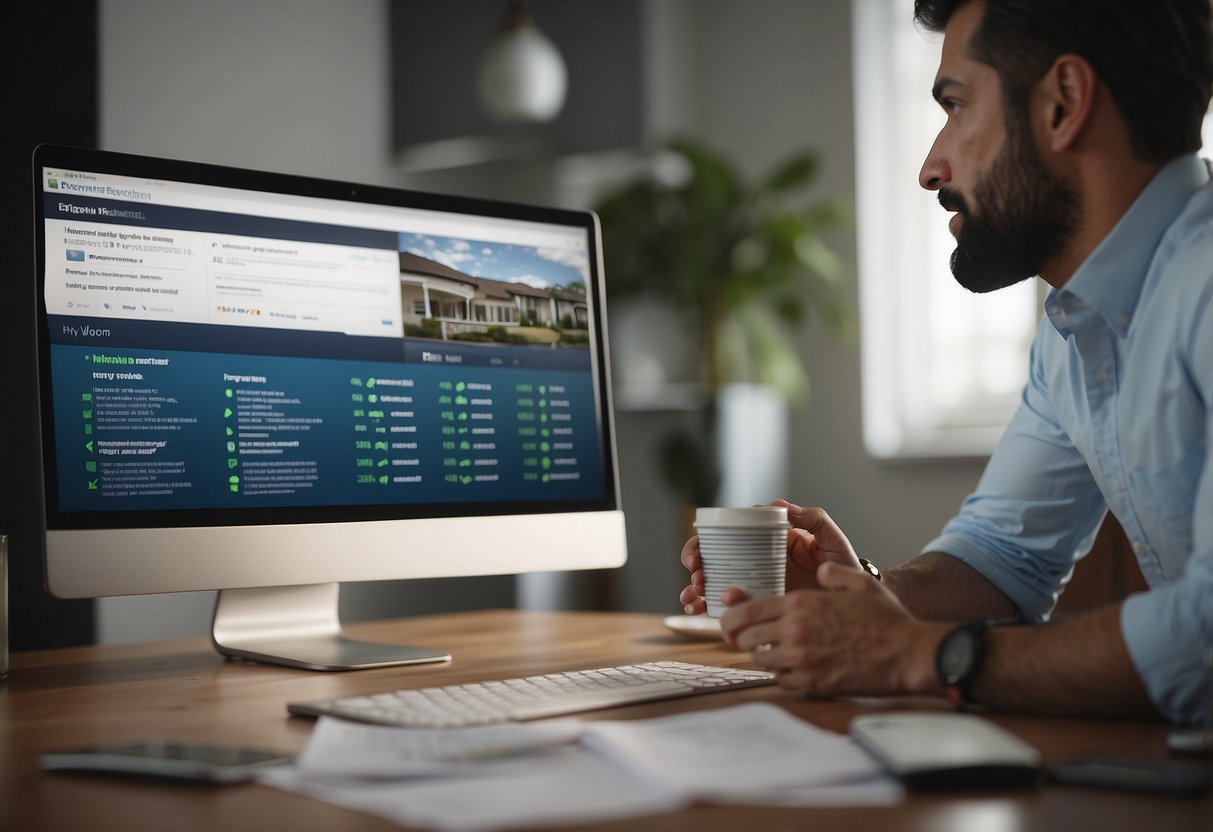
pixel 871 568
pixel 958 660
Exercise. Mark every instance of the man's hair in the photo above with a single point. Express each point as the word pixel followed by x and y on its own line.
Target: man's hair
pixel 1155 56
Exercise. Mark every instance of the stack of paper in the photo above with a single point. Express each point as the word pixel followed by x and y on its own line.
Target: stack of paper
pixel 482 779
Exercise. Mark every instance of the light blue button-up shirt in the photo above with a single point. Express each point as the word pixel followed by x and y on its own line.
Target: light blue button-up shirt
pixel 1118 414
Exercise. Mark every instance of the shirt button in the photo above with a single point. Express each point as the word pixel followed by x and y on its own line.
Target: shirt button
pixel 1124 319
pixel 1103 375
pixel 1139 548
pixel 1119 485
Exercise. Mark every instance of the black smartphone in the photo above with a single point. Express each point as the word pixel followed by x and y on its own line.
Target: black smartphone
pixel 1134 774
pixel 173 760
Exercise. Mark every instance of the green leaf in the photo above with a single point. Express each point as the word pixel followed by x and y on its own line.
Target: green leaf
pixel 794 173
pixel 814 254
pixel 776 361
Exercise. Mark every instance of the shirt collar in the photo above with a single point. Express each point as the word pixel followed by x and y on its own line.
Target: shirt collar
pixel 1110 279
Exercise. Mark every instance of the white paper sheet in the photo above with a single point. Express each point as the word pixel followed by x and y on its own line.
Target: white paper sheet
pixel 755 754
pixel 562 787
pixel 736 750
pixel 351 749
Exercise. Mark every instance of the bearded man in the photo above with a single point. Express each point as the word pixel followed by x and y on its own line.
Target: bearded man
pixel 1069 153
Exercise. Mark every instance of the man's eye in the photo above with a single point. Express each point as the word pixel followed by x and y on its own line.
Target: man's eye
pixel 951 105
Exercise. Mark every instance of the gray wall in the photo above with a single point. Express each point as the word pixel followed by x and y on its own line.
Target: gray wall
pixel 302 86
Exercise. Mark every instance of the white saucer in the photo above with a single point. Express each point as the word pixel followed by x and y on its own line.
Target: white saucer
pixel 694 626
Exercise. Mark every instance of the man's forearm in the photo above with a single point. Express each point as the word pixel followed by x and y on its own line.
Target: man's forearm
pixel 939 587
pixel 1079 666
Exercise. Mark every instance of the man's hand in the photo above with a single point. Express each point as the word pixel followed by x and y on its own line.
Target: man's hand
pixel 853 637
pixel 850 636
pixel 814 539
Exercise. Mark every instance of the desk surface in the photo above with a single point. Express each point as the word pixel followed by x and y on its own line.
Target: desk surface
pixel 182 690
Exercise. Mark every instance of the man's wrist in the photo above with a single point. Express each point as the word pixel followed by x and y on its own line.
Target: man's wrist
pixel 919 676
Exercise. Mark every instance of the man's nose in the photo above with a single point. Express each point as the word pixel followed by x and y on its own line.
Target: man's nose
pixel 936 172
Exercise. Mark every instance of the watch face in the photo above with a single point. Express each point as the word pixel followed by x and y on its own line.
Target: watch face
pixel 957 654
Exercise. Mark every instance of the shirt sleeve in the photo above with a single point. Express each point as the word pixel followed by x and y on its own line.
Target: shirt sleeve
pixel 1168 629
pixel 1036 508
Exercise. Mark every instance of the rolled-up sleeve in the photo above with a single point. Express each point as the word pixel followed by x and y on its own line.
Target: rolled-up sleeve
pixel 1034 512
pixel 1169 628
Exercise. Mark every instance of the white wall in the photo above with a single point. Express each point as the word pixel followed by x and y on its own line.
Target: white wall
pixel 301 86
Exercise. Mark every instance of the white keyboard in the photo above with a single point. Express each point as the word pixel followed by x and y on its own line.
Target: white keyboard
pixel 534 697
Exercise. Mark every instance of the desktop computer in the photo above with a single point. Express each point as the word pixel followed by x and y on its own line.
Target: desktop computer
pixel 269 384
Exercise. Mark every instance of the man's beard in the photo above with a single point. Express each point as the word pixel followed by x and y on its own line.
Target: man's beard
pixel 1028 216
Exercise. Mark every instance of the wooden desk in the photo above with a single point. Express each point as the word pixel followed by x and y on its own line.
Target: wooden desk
pixel 182 690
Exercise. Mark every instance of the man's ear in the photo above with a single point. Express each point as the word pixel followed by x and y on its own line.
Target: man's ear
pixel 1062 101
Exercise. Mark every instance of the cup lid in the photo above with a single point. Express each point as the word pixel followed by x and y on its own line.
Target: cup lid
pixel 747 517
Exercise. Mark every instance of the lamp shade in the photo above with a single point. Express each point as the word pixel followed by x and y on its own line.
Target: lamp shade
pixel 522 75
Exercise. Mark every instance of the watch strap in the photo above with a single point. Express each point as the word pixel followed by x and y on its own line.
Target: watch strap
pixel 959 690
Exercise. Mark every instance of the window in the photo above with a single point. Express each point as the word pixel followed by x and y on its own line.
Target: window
pixel 942 368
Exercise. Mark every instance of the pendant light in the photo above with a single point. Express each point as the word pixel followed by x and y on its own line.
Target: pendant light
pixel 522 76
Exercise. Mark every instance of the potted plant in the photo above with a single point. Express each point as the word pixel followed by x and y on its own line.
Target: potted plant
pixel 743 265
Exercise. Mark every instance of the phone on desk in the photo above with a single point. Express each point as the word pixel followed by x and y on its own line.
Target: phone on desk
pixel 173 760
pixel 1131 774
pixel 932 750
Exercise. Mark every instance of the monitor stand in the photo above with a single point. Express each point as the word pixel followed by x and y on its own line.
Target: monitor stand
pixel 298 626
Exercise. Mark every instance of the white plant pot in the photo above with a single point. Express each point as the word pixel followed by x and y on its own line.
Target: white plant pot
pixel 751 444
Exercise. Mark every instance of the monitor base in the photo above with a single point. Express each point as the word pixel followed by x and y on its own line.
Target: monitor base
pixel 298 626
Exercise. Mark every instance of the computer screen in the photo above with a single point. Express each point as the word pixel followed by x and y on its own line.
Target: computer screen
pixel 269 384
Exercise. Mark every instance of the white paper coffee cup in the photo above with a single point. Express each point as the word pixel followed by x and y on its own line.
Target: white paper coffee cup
pixel 742 547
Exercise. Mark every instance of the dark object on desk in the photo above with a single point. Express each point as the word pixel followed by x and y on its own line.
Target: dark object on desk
pixel 1132 774
pixel 947 750
pixel 217 764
